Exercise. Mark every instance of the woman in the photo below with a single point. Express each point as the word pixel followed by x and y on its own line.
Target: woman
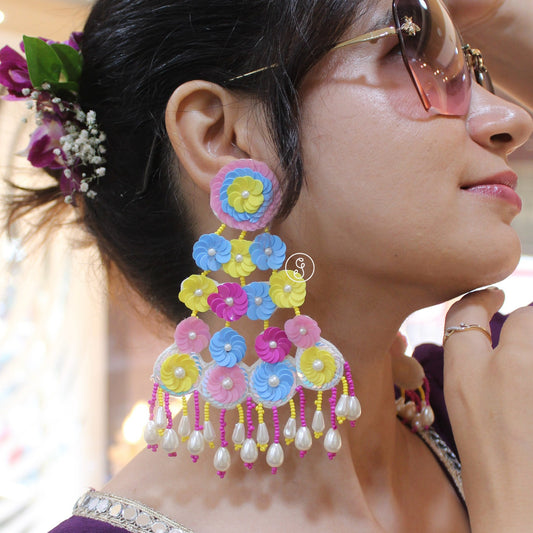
pixel 398 195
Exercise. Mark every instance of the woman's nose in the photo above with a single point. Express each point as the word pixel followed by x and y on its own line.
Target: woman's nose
pixel 496 124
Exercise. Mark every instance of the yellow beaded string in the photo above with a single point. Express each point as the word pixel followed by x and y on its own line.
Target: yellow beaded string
pixel 422 393
pixel 346 391
pixel 206 419
pixel 228 324
pixel 242 235
pixel 185 412
pixel 402 393
pixel 293 415
pixel 318 403
pixel 260 416
pixel 297 311
pixel 241 421
pixel 161 403
pixel 220 230
pixel 243 281
pixel 266 324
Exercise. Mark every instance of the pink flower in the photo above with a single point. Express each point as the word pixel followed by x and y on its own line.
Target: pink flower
pixel 230 302
pixel 225 385
pixel 14 75
pixel 44 141
pixel 272 345
pixel 303 331
pixel 192 335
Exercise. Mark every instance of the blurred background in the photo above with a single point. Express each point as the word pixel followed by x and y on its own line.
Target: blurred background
pixel 76 350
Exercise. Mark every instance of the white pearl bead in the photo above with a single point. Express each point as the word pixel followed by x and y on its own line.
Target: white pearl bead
pixel 196 443
pixel 303 440
pixel 211 252
pixel 354 408
pixel 428 416
pixel 238 433
pixel 160 418
pixel 179 372
pixel 249 451
pixel 341 409
pixel 318 424
pixel 416 422
pixel 239 258
pixel 222 460
pixel 192 335
pixel 268 251
pixel 273 381
pixel 273 344
pixel 258 300
pixel 227 347
pixel 275 455
pixel 184 427
pixel 245 194
pixel 209 432
pixel 333 441
pixel 262 434
pixel 318 365
pixel 400 403
pixel 287 288
pixel 303 331
pixel 170 441
pixel 151 435
pixel 229 302
pixel 408 411
pixel 289 431
pixel 227 383
pixel 198 292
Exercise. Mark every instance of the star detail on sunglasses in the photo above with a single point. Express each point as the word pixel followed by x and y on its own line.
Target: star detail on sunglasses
pixel 409 27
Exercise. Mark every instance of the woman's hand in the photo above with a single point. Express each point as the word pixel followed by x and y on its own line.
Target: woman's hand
pixel 489 394
pixel 471 13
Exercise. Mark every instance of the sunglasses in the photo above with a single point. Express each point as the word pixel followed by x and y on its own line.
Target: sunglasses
pixel 439 64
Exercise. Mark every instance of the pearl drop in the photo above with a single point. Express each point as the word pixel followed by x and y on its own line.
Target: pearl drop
pixel 289 431
pixel 303 440
pixel 184 427
pixel 196 443
pixel 170 441
pixel 268 251
pixel 222 460
pixel 273 344
pixel 211 252
pixel 416 422
pixel 400 403
pixel 179 372
pixel 229 302
pixel 227 383
pixel 160 418
pixel 262 434
pixel 408 411
pixel 151 435
pixel 354 408
pixel 275 455
pixel 318 365
pixel 287 288
pixel 303 331
pixel 333 441
pixel 428 416
pixel 245 194
pixel 238 433
pixel 341 409
pixel 192 335
pixel 318 424
pixel 273 381
pixel 227 347
pixel 249 451
pixel 258 300
pixel 198 292
pixel 209 432
pixel 239 258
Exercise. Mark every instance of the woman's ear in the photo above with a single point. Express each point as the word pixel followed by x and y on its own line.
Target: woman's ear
pixel 205 125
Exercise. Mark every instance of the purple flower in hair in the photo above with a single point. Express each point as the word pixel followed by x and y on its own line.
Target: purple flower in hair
pixel 44 150
pixel 14 75
pixel 74 40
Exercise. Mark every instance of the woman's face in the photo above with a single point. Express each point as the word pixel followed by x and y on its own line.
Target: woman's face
pixel 390 190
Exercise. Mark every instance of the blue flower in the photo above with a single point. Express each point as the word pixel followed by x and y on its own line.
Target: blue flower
pixel 274 382
pixel 268 252
pixel 211 251
pixel 260 305
pixel 268 194
pixel 227 347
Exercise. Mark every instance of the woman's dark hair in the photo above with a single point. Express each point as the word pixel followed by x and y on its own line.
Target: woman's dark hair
pixel 136 52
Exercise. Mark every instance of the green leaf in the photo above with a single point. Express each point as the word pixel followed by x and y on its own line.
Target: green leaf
pixel 44 65
pixel 71 60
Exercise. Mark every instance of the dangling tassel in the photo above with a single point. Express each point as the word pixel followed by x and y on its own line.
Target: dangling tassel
pixel 354 406
pixel 170 439
pixel 239 431
pixel 262 430
pixel 289 431
pixel 209 432
pixel 318 425
pixel 424 416
pixel 184 427
pixel 196 441
pixel 151 435
pixel 249 451
pixel 275 455
pixel 303 440
pixel 222 460
pixel 333 441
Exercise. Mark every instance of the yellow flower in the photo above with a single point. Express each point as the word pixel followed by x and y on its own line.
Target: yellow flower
pixel 179 373
pixel 318 366
pixel 240 264
pixel 195 290
pixel 245 194
pixel 287 289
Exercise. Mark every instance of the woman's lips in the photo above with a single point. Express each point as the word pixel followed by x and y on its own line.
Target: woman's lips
pixel 498 190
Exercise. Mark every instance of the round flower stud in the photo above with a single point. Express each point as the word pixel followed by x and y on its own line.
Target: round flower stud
pixel 268 252
pixel 272 345
pixel 302 331
pixel 318 367
pixel 273 384
pixel 245 195
pixel 225 387
pixel 240 264
pixel 260 305
pixel 227 347
pixel 211 251
pixel 192 335
pixel 179 373
pixel 230 302
pixel 195 290
pixel 287 289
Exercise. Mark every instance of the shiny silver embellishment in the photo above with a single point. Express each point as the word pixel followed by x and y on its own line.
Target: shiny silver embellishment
pixel 410 27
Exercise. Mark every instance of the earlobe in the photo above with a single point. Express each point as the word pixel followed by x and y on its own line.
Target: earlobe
pixel 202 121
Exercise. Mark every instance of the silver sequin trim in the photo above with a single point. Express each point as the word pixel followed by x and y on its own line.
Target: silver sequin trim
pixel 127 514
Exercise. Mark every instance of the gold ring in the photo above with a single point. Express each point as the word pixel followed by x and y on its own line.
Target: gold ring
pixel 448 332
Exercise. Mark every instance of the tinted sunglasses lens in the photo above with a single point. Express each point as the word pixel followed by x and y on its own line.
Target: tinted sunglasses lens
pixel 433 54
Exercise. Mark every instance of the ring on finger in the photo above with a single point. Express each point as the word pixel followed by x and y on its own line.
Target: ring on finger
pixel 448 332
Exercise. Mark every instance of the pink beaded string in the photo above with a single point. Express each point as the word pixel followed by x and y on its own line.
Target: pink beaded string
pixel 275 417
pixel 300 391
pixel 427 389
pixel 152 403
pixel 351 387
pixel 415 398
pixel 223 441
pixel 333 403
pixel 197 426
pixel 169 418
pixel 250 406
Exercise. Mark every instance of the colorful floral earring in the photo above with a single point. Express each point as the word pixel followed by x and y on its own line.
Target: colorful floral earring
pixel 245 195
